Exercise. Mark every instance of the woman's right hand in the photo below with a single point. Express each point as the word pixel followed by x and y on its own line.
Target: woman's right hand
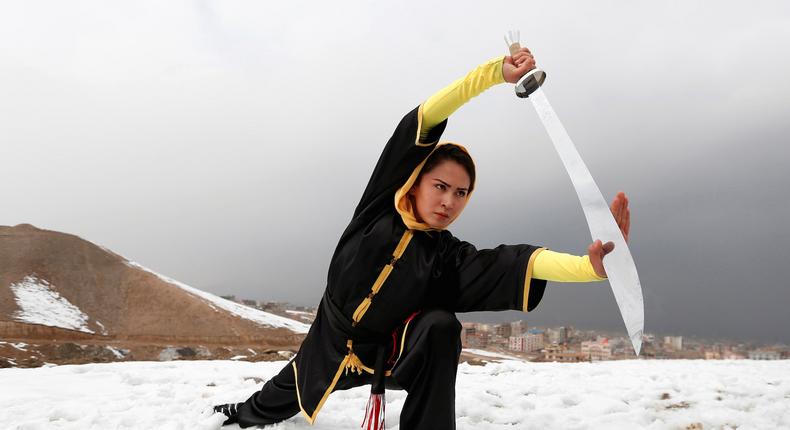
pixel 517 65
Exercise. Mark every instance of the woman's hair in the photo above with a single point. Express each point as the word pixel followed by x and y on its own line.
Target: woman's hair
pixel 452 153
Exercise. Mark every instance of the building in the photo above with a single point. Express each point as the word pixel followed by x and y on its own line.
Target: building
pixel 529 342
pixel 562 354
pixel 570 333
pixel 474 335
pixel 534 342
pixel 732 355
pixel 503 330
pixel 517 343
pixel 557 335
pixel 765 354
pixel 497 341
pixel 517 328
pixel 467 329
pixel 712 355
pixel 674 342
pixel 479 340
pixel 597 350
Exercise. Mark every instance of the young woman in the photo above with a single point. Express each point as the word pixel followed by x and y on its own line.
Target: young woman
pixel 397 277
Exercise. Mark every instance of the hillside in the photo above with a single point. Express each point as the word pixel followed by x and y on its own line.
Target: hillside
pixel 56 288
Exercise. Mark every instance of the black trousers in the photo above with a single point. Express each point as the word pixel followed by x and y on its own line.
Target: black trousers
pixel 426 370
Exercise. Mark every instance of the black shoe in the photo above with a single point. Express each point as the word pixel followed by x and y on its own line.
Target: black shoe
pixel 230 410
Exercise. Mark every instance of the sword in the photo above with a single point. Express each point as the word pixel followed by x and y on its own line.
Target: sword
pixel 619 265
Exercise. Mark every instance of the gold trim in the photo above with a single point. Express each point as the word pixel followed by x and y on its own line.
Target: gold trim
pixel 385 273
pixel 528 277
pixel 404 242
pixel 349 358
pixel 400 353
pixel 402 342
pixel 311 419
pixel 355 363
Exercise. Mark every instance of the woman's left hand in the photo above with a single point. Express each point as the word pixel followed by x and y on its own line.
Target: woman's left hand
pixel 517 65
pixel 597 250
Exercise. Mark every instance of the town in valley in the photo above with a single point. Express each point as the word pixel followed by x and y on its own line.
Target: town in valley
pixel 570 344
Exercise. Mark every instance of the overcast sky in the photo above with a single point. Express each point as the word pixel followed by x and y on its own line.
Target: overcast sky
pixel 226 144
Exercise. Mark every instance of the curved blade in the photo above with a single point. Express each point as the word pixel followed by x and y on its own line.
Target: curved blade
pixel 619 264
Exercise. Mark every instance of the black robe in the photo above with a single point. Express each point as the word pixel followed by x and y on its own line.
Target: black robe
pixel 382 272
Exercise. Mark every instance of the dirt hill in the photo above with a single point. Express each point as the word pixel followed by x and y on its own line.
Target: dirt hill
pixel 57 287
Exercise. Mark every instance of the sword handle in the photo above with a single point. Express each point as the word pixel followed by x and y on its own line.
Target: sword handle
pixel 514 47
pixel 512 41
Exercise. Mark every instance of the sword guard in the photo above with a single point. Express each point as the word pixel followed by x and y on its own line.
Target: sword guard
pixel 530 82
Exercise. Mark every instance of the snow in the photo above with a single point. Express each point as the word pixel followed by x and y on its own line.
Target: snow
pixel 485 353
pixel 20 346
pixel 643 394
pixel 118 354
pixel 39 304
pixel 246 312
pixel 103 329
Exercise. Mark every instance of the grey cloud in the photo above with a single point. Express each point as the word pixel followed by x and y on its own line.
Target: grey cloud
pixel 226 144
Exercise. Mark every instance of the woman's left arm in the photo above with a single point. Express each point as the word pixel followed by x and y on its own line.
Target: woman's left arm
pixel 419 130
pixel 498 70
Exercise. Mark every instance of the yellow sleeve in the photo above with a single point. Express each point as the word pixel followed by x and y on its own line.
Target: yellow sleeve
pixel 560 267
pixel 442 104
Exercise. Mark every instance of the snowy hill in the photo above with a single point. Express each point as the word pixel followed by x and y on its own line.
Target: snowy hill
pixel 60 280
pixel 265 319
pixel 637 394
pixel 56 287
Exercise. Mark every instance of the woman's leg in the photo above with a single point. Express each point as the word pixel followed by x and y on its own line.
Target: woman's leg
pixel 427 371
pixel 275 402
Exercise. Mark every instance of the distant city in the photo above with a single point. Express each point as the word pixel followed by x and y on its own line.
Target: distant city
pixel 570 344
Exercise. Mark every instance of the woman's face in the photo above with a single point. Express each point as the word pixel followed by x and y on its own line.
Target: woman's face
pixel 441 194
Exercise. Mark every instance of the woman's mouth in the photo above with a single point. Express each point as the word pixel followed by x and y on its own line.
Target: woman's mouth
pixel 442 215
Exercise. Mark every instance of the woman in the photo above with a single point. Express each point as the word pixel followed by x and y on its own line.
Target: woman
pixel 397 277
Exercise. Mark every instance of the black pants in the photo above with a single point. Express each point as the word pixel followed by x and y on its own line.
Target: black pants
pixel 426 370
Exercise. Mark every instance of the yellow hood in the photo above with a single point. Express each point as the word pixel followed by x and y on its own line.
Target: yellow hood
pixel 403 203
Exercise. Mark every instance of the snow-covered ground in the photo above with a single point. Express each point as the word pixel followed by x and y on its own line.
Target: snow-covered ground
pixel 638 394
pixel 39 303
pixel 246 312
pixel 485 353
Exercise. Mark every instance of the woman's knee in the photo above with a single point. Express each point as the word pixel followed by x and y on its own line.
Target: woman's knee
pixel 442 324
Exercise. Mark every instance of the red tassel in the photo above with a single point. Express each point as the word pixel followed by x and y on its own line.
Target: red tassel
pixel 374 413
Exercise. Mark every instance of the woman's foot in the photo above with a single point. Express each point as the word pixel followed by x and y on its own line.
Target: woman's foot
pixel 230 410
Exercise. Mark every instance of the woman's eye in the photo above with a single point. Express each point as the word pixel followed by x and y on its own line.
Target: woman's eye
pixel 440 186
pixel 462 194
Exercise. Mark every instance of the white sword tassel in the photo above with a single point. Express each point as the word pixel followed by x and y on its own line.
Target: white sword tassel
pixel 619 264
